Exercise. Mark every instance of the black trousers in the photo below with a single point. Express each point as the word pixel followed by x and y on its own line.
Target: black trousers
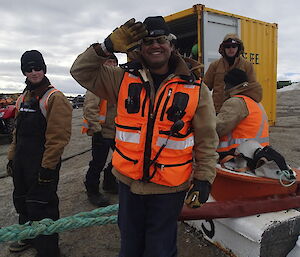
pixel 25 175
pixel 100 150
pixel 148 223
pixel 31 127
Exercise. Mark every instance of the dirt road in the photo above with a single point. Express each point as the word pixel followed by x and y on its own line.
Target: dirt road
pixel 104 240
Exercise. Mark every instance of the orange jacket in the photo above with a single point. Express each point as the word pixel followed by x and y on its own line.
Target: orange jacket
pixel 254 126
pixel 102 116
pixel 142 130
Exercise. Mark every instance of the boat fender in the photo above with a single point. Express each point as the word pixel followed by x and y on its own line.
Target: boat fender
pixel 268 160
pixel 263 161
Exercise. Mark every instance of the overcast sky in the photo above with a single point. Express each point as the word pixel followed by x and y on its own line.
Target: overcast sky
pixel 62 29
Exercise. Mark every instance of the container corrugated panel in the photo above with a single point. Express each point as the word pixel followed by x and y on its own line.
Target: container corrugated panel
pixel 260 40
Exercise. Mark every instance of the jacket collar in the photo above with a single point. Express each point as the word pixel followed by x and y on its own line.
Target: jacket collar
pixel 180 67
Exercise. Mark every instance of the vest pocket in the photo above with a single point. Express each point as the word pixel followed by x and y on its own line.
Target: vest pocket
pixel 125 157
pixel 177 110
pixel 171 174
pixel 162 166
pixel 128 134
pixel 132 103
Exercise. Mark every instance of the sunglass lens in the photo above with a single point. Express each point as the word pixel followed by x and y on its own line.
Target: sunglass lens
pixel 35 68
pixel 148 41
pixel 231 46
pixel 159 40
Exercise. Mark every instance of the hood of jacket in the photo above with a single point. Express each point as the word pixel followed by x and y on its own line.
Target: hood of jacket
pixel 236 38
pixel 247 89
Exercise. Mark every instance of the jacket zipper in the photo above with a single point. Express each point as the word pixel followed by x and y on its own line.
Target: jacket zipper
pixel 172 165
pixel 147 88
pixel 165 104
pixel 149 135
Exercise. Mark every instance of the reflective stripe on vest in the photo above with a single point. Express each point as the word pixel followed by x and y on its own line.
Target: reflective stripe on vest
pixel 173 165
pixel 128 137
pixel 176 145
pixel 43 102
pixel 19 100
pixel 101 117
pixel 26 110
pixel 250 126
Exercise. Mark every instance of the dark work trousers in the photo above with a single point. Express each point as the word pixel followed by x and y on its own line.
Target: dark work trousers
pixel 100 150
pixel 148 223
pixel 30 140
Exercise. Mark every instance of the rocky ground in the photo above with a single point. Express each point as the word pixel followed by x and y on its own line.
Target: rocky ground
pixel 104 240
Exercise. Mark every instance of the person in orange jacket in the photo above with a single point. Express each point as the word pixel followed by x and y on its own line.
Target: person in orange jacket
pixel 240 118
pixel 165 133
pixel 99 123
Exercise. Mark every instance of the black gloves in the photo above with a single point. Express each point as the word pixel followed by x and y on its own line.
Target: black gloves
pixel 41 194
pixel 98 136
pixel 198 193
pixel 9 168
pixel 125 37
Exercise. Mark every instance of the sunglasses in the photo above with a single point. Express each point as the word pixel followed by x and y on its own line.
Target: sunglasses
pixel 151 40
pixel 231 45
pixel 35 68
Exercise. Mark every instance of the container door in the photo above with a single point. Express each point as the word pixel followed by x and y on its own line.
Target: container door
pixel 215 27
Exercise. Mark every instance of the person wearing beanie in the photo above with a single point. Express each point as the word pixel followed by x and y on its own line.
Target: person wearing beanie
pixel 99 122
pixel 241 117
pixel 43 128
pixel 165 121
pixel 231 50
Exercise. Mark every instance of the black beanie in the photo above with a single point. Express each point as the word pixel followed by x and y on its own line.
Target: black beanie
pixel 32 58
pixel 234 77
pixel 156 26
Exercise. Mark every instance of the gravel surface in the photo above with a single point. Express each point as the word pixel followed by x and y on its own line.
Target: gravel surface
pixel 104 240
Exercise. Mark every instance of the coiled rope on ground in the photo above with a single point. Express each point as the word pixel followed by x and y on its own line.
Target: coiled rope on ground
pixel 47 226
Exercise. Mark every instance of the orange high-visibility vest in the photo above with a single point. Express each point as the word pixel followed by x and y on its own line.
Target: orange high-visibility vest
pixel 255 127
pixel 102 116
pixel 43 102
pixel 142 131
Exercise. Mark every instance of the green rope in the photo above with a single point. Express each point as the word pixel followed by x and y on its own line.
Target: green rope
pixel 47 226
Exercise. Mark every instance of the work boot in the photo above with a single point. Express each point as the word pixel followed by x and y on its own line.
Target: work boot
pixel 57 255
pixel 110 184
pixel 94 196
pixel 19 246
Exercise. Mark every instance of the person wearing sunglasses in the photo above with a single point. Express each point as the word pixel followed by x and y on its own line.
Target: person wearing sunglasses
pixel 231 49
pixel 42 130
pixel 165 120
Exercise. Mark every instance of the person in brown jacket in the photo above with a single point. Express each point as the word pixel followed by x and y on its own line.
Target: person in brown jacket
pixel 42 130
pixel 241 116
pixel 165 133
pixel 231 50
pixel 100 124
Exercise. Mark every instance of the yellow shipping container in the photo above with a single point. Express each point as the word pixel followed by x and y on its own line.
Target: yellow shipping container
pixel 208 27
